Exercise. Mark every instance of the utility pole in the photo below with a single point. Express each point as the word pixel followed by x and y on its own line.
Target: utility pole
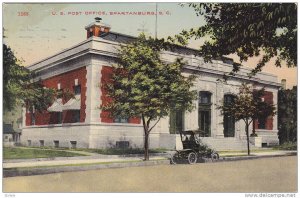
pixel 156 21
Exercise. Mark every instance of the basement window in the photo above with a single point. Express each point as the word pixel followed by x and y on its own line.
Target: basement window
pixel 122 144
pixel 56 143
pixel 42 143
pixel 73 144
pixel 264 145
pixel 28 142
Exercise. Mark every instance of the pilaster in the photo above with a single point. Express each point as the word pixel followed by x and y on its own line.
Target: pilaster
pixel 93 93
pixel 219 116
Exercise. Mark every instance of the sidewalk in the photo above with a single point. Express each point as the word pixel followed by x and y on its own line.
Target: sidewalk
pixel 93 158
pixel 26 167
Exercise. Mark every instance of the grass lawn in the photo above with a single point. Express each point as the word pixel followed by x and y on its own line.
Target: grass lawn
pixel 119 151
pixel 23 153
pixel 81 164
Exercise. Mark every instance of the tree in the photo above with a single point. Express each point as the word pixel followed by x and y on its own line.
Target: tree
pixel 287 115
pixel 264 108
pixel 247 30
pixel 247 107
pixel 144 86
pixel 18 87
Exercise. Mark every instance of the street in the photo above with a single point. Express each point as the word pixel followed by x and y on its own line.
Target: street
pixel 278 174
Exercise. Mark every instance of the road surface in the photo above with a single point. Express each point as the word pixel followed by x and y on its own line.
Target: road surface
pixel 278 174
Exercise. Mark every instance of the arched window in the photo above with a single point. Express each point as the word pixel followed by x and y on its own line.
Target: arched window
pixel 204 113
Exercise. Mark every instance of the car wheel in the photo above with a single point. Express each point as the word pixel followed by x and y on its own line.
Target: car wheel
pixel 192 158
pixel 215 156
pixel 174 158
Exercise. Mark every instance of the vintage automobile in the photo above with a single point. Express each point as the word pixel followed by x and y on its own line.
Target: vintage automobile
pixel 193 149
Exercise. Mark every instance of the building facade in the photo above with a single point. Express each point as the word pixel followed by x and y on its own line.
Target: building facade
pixel 79 122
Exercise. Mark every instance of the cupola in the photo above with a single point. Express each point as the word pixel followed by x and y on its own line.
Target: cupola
pixel 97 28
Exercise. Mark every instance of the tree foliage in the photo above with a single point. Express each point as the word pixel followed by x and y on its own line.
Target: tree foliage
pixel 247 30
pixel 18 87
pixel 144 86
pixel 287 115
pixel 248 106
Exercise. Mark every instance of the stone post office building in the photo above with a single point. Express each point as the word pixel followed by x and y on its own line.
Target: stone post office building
pixel 79 122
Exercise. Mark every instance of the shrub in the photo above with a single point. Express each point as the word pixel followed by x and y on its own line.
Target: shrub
pixel 287 146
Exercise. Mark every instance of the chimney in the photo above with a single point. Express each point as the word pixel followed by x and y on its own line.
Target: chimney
pixel 97 28
pixel 283 83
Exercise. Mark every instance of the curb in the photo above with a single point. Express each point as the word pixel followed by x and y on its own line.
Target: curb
pixel 230 159
pixel 14 172
pixel 256 157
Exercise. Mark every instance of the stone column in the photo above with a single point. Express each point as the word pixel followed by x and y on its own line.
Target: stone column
pixel 23 117
pixel 191 118
pixel 218 116
pixel 93 101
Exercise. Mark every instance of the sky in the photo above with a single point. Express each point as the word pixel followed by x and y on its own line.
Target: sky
pixel 35 31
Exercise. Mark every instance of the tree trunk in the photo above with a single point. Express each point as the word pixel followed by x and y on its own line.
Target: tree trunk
pixel 147 130
pixel 247 134
pixel 146 138
pixel 146 146
pixel 253 127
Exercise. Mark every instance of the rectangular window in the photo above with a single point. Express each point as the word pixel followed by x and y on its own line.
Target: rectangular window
pixel 229 99
pixel 176 121
pixel 59 117
pixel 204 97
pixel 204 113
pixel 73 144
pixel 77 90
pixel 42 143
pixel 91 33
pixel 204 122
pixel 262 123
pixel 28 142
pixel 76 116
pixel 56 143
pixel 121 120
pixel 32 118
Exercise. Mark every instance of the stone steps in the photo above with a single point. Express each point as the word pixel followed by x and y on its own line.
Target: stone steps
pixel 221 144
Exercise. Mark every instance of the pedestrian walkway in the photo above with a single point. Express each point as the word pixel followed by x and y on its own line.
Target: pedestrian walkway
pixel 95 158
